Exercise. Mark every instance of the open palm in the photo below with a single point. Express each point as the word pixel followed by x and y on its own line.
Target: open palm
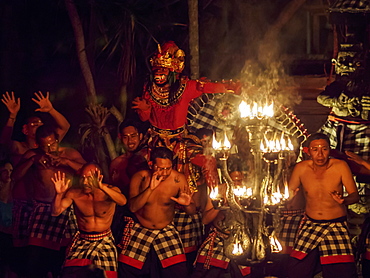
pixel 61 184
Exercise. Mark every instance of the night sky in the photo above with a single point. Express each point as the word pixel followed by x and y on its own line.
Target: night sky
pixel 37 50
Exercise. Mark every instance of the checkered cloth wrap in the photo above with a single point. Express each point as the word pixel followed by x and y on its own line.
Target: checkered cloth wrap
pixel 22 210
pixel 201 112
pixel 353 137
pixel 211 252
pixel 71 228
pixel 290 220
pixel 97 249
pixel 166 243
pixel 46 230
pixel 331 238
pixel 349 137
pixel 190 228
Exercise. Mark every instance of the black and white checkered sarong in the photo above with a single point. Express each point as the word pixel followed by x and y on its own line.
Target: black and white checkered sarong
pixel 348 137
pixel 212 250
pixel 97 249
pixel 190 228
pixel 46 230
pixel 201 112
pixel 166 243
pixel 290 220
pixel 22 211
pixel 331 238
pixel 211 253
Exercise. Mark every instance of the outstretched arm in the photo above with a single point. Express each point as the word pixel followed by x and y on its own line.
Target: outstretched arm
pixel 358 159
pixel 47 107
pixel 61 200
pixel 13 106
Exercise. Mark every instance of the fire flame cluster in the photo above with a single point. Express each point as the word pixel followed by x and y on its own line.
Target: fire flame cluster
pixel 276 144
pixel 218 145
pixel 276 197
pixel 256 110
pixel 237 249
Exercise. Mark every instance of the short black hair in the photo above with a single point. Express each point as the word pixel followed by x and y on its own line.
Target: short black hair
pixel 129 122
pixel 317 136
pixel 45 131
pixel 161 152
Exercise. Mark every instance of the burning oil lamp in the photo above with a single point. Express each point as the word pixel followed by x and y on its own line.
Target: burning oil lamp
pixel 222 148
pixel 253 212
pixel 217 200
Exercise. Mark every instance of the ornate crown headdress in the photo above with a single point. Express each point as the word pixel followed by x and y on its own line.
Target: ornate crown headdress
pixel 170 56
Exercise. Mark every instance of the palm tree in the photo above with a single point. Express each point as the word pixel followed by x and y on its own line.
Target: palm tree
pixel 118 34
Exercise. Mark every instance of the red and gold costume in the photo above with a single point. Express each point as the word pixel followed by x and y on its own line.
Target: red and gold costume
pixel 168 108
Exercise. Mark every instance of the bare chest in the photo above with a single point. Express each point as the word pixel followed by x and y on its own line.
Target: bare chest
pixel 315 182
pixel 92 205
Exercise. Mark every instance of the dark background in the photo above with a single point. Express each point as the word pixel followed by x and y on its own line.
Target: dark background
pixel 37 49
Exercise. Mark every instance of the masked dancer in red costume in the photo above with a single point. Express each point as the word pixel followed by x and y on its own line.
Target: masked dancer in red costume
pixel 165 104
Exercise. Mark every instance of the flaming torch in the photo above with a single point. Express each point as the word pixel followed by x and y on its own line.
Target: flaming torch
pixel 253 213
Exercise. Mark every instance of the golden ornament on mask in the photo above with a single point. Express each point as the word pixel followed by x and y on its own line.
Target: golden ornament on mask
pixel 173 59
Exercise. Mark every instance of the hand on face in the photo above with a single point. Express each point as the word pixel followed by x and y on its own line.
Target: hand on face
pixel 156 180
pixel 94 179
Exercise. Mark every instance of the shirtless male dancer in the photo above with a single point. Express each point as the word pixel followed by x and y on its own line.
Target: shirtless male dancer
pixel 47 234
pixel 94 205
pixel 152 246
pixel 323 237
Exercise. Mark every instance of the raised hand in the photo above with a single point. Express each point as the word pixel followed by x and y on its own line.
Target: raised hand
pixel 43 102
pixel 183 199
pixel 60 183
pixel 11 103
pixel 141 104
pixel 156 180
pixel 95 179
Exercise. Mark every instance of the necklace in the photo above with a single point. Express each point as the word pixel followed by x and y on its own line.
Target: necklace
pixel 162 92
pixel 160 95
